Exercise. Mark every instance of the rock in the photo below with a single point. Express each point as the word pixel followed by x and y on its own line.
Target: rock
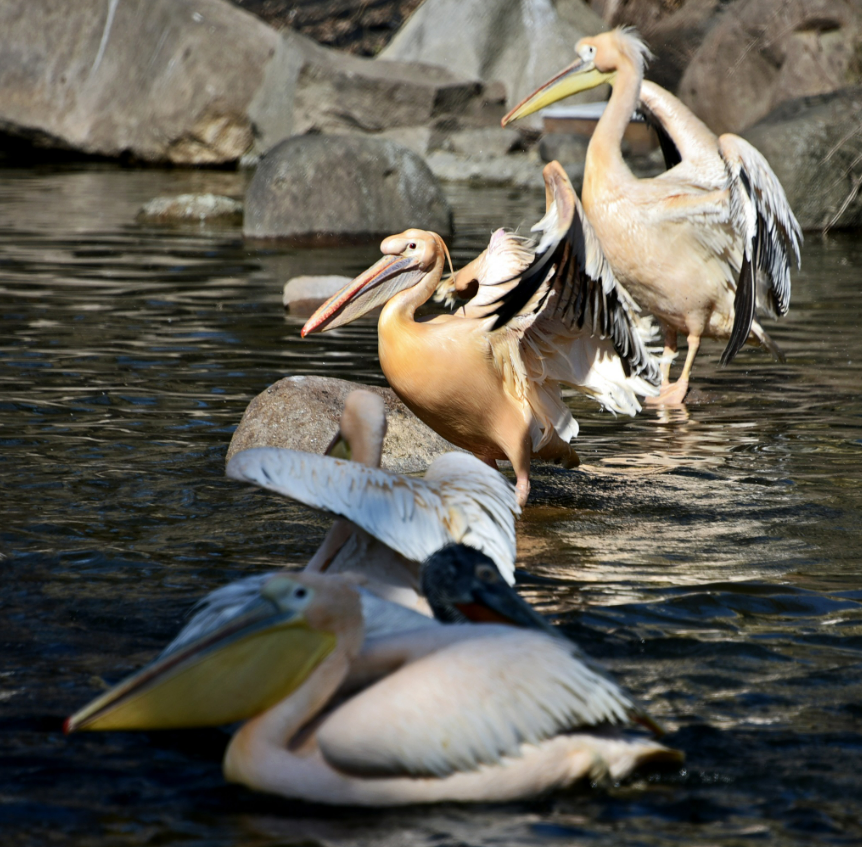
pixel 565 147
pixel 521 43
pixel 192 208
pixel 483 143
pixel 304 294
pixel 302 413
pixel 814 144
pixel 765 52
pixel 151 80
pixel 518 169
pixel 327 188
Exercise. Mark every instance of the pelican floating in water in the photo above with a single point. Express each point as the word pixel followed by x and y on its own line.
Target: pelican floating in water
pixel 702 246
pixel 541 315
pixel 482 713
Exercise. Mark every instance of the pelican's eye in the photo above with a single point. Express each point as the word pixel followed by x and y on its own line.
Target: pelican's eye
pixel 300 593
pixel 587 52
pixel 412 245
pixel 486 573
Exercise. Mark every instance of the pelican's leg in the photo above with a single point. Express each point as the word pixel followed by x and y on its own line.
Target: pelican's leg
pixel 519 455
pixel 669 354
pixel 672 395
pixel 559 452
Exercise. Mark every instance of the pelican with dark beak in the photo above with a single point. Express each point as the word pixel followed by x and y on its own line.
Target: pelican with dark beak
pixel 541 314
pixel 705 246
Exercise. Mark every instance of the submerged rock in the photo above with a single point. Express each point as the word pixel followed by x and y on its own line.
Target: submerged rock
pixel 303 294
pixel 303 412
pixel 814 144
pixel 191 208
pixel 327 188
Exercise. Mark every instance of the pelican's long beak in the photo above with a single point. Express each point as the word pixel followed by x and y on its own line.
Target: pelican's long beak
pixel 372 288
pixel 579 76
pixel 232 674
pixel 498 602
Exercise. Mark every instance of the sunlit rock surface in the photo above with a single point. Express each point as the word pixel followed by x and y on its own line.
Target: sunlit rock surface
pixel 521 43
pixel 765 52
pixel 303 294
pixel 302 413
pixel 322 188
pixel 814 145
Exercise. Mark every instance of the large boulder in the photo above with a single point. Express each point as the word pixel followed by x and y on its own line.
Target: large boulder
pixel 521 43
pixel 194 81
pixel 323 189
pixel 764 52
pixel 814 144
pixel 302 413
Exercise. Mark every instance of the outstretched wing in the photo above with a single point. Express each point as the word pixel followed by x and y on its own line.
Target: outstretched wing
pixel 482 697
pixel 415 517
pixel 571 282
pixel 770 234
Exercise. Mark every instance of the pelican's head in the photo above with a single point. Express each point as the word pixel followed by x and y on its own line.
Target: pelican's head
pixel 598 59
pixel 246 665
pixel 463 584
pixel 407 258
pixel 361 430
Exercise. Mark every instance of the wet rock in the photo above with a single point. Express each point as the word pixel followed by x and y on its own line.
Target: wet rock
pixel 766 52
pixel 521 43
pixel 192 208
pixel 814 144
pixel 303 294
pixel 518 169
pixel 302 413
pixel 327 188
pixel 150 80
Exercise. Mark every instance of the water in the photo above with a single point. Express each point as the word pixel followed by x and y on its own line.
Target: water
pixel 709 555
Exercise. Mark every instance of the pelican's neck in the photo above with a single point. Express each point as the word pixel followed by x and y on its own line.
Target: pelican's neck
pixel 249 756
pixel 404 304
pixel 604 154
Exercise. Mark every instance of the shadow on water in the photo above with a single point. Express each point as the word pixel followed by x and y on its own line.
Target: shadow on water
pixel 707 554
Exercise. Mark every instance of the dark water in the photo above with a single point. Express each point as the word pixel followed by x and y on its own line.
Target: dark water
pixel 709 556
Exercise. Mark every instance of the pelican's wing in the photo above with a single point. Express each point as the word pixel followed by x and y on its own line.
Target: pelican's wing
pixel 570 283
pixel 415 517
pixel 470 704
pixel 770 233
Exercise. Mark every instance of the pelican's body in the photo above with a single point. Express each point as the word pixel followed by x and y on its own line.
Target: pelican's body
pixel 488 377
pixel 697 246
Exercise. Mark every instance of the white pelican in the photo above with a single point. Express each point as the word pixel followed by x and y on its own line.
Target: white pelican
pixel 702 246
pixel 542 315
pixel 484 713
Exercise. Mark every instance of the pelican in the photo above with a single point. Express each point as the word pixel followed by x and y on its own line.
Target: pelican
pixel 704 245
pixel 470 713
pixel 540 315
pixel 386 524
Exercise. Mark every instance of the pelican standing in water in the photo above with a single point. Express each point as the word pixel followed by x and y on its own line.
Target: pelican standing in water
pixel 470 713
pixel 488 377
pixel 702 246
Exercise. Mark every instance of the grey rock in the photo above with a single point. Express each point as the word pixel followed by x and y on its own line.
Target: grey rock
pixel 483 142
pixel 520 43
pixel 327 188
pixel 565 147
pixel 302 413
pixel 814 144
pixel 762 53
pixel 154 80
pixel 192 208
pixel 303 294
pixel 517 169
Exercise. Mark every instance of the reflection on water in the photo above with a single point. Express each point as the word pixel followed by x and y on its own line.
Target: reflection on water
pixel 708 554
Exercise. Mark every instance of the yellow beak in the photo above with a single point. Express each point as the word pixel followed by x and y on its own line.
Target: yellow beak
pixel 577 77
pixel 232 674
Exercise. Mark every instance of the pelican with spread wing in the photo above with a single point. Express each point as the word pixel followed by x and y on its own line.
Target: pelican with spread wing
pixel 415 714
pixel 541 314
pixel 703 246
